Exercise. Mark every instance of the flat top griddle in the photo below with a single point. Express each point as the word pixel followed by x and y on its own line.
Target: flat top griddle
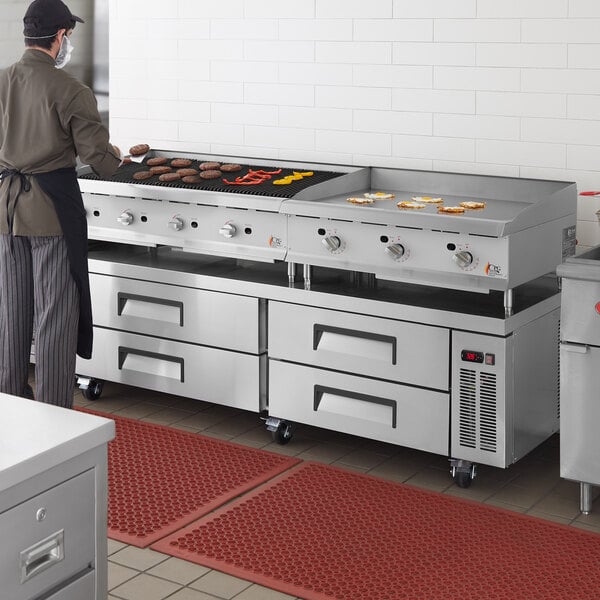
pixel 125 175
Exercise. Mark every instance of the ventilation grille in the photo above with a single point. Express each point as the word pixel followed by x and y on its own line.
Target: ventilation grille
pixel 478 408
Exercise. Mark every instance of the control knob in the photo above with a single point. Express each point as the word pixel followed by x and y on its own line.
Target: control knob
pixel 396 251
pixel 463 259
pixel 125 218
pixel 176 224
pixel 228 230
pixel 332 242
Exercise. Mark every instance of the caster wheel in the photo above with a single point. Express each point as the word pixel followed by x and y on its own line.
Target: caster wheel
pixel 93 390
pixel 283 434
pixel 463 479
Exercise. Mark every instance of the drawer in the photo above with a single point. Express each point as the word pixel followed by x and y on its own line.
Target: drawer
pixel 179 313
pixel 378 410
pixel 209 374
pixel 82 588
pixel 580 321
pixel 48 539
pixel 395 350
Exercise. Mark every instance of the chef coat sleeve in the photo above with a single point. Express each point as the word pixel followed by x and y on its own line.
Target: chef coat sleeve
pixel 90 136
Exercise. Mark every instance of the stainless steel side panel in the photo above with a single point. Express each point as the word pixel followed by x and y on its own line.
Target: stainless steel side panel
pixel 580 413
pixel 210 374
pixel 47 539
pixel 400 351
pixel 82 588
pixel 180 313
pixel 580 321
pixel 378 410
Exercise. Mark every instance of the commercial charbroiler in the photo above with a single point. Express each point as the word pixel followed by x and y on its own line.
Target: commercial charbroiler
pixel 432 330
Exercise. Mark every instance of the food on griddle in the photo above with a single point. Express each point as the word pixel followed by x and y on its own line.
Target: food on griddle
pixel 410 204
pixel 156 161
pixel 187 172
pixel 252 177
pixel 160 170
pixel 210 174
pixel 191 179
pixel 127 160
pixel 379 196
pixel 139 175
pixel 210 166
pixel 427 199
pixel 295 176
pixel 472 204
pixel 139 149
pixel 355 200
pixel 451 209
pixel 181 162
pixel 170 177
pixel 231 168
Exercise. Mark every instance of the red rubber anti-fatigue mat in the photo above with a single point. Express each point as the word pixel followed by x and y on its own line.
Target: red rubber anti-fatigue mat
pixel 160 479
pixel 319 533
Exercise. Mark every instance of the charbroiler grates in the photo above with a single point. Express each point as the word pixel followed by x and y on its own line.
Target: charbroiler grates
pixel 267 188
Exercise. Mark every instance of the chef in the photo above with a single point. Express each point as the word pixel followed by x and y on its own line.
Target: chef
pixel 47 119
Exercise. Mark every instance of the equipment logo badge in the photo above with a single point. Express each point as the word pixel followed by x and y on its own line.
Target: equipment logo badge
pixel 275 242
pixel 493 270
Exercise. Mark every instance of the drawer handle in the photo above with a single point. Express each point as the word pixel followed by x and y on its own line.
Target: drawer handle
pixel 319 390
pixel 42 555
pixel 576 348
pixel 123 297
pixel 125 352
pixel 319 330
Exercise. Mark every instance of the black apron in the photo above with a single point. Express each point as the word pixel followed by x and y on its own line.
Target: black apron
pixel 62 187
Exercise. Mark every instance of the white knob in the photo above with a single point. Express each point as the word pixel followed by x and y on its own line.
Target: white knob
pixel 396 251
pixel 228 230
pixel 463 258
pixel 331 242
pixel 125 218
pixel 176 223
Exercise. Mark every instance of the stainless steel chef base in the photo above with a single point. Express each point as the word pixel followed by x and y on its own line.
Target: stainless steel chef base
pixel 580 372
pixel 439 370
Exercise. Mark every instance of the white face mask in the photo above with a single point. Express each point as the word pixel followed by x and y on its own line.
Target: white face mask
pixel 64 53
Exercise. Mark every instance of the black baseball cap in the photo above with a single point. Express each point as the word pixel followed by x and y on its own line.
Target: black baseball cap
pixel 45 17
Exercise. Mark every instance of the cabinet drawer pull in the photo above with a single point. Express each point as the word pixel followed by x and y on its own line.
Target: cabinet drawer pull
pixel 319 330
pixel 320 390
pixel 123 298
pixel 42 555
pixel 124 353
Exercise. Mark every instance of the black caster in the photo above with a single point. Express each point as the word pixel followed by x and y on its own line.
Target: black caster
pixel 93 390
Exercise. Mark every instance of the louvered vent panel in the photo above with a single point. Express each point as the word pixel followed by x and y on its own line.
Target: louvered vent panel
pixel 488 399
pixel 468 408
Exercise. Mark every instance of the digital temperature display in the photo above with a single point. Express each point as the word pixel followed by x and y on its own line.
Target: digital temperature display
pixel 471 356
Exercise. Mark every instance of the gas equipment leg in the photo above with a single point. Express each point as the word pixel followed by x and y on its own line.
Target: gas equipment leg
pixel 307 277
pixel 291 272
pixel 585 498
pixel 508 302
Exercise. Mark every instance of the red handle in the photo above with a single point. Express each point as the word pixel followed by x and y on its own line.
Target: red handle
pixel 589 193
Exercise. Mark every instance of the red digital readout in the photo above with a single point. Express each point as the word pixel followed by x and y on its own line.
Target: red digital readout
pixel 598 307
pixel 471 356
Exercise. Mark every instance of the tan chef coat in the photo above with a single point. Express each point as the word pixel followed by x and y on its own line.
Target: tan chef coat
pixel 47 118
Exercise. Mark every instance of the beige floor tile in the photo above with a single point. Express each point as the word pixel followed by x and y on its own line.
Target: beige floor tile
pixel 505 505
pixel 258 592
pixel 517 496
pixel 189 594
pixel 167 416
pixel 548 517
pixel 118 574
pixel 179 571
pixel 138 411
pixel 111 404
pixel 293 448
pixel 558 506
pixel 363 459
pixel 140 559
pixel 220 585
pixel 114 546
pixel 431 479
pixel 325 453
pixel 146 587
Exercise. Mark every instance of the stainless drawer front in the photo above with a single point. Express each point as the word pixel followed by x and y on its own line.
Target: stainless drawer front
pixel 379 410
pixel 580 321
pixel 394 350
pixel 81 589
pixel 579 413
pixel 47 539
pixel 209 374
pixel 186 314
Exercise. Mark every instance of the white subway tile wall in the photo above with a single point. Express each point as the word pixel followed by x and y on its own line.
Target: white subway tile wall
pixel 507 87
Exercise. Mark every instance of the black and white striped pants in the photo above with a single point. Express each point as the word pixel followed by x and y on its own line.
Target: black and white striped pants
pixel 38 293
